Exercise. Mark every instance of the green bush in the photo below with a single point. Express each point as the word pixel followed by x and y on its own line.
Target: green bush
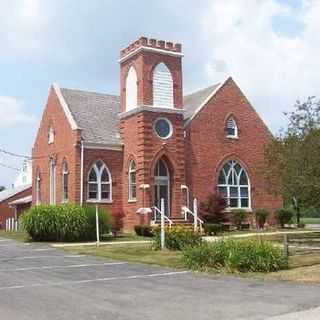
pixel 212 228
pixel 177 238
pixel 284 216
pixel 65 222
pixel 235 256
pixel 261 217
pixel 105 222
pixel 144 230
pixel 238 216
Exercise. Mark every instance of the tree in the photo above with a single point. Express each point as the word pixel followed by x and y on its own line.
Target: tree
pixel 293 158
pixel 212 210
pixel 2 188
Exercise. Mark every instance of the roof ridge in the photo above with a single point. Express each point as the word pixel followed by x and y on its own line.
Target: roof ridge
pixel 91 92
pixel 202 90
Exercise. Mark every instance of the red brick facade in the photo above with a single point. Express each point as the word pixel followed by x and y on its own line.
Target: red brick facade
pixel 6 211
pixel 194 153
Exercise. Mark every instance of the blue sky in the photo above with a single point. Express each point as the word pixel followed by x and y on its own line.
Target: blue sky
pixel 268 46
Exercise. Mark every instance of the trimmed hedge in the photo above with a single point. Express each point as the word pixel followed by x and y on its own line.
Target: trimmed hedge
pixel 144 230
pixel 64 222
pixel 177 238
pixel 235 256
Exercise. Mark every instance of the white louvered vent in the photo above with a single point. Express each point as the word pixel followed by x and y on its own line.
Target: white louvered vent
pixel 131 89
pixel 162 87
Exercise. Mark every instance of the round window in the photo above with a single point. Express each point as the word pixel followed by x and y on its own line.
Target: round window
pixel 163 128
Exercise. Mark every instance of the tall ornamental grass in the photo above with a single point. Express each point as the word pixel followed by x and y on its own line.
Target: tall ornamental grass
pixel 235 256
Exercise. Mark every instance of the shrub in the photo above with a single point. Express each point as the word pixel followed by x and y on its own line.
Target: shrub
pixel 143 230
pixel 235 256
pixel 65 222
pixel 261 217
pixel 105 222
pixel 212 210
pixel 177 238
pixel 212 228
pixel 238 217
pixel 284 216
pixel 117 225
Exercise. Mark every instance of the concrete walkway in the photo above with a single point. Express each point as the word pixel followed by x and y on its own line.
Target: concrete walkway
pixel 312 314
pixel 248 235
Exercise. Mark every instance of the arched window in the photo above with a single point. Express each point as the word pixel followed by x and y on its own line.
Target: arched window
pixel 65 182
pixel 231 128
pixel 52 173
pixel 234 185
pixel 99 183
pixel 132 181
pixel 51 134
pixel 162 87
pixel 38 188
pixel 131 89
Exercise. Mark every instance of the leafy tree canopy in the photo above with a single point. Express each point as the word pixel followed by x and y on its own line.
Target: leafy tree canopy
pixel 293 166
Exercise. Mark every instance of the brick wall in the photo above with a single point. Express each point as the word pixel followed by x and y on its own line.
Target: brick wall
pixel 7 212
pixel 65 147
pixel 208 148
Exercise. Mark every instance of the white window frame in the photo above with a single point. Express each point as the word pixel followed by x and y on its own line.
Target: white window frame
pixel 99 183
pixel 51 135
pixel 131 171
pixel 170 126
pixel 163 89
pixel 233 126
pixel 131 89
pixel 235 185
pixel 65 172
pixel 52 181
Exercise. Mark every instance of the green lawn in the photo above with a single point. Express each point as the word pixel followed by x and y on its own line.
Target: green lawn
pixel 310 220
pixel 15 235
pixel 142 253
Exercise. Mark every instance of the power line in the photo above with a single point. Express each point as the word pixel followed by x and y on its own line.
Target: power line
pixel 14 154
pixel 9 167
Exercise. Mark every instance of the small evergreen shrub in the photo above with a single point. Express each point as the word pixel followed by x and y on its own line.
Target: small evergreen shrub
pixel 212 229
pixel 261 217
pixel 238 217
pixel 235 256
pixel 143 230
pixel 177 238
pixel 284 216
pixel 64 222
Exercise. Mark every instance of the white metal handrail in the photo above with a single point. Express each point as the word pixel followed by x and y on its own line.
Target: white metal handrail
pixel 157 210
pixel 196 219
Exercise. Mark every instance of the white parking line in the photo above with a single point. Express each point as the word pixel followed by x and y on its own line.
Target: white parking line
pixel 40 257
pixel 63 267
pixel 62 283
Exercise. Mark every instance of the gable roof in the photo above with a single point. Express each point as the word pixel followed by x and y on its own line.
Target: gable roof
pixel 96 114
pixel 8 193
pixel 192 101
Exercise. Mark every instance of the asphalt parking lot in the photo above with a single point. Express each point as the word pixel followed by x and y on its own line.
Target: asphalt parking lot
pixel 39 282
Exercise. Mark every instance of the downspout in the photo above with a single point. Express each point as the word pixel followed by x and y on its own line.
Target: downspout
pixel 81 173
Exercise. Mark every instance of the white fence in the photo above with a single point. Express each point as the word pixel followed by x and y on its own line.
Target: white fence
pixel 11 224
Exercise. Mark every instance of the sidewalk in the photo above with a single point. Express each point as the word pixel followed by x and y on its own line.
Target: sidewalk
pixel 248 235
pixel 103 243
pixel 312 314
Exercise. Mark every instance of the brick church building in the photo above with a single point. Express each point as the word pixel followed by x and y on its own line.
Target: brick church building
pixel 127 152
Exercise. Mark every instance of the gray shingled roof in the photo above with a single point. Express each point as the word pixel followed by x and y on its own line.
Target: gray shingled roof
pixel 192 101
pixel 96 114
pixel 8 193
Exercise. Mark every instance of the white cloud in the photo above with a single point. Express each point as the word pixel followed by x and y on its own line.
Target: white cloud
pixel 12 112
pixel 272 68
